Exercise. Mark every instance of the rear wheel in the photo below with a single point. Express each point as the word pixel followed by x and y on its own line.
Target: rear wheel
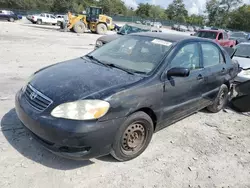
pixel 133 137
pixel 39 22
pixel 79 27
pixel 101 29
pixel 220 100
pixel 11 19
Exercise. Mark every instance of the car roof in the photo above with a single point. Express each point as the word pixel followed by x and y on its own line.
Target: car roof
pixel 169 36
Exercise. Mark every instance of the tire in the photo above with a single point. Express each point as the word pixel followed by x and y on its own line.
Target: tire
pixel 220 100
pixel 79 27
pixel 133 137
pixel 39 22
pixel 101 29
pixel 11 20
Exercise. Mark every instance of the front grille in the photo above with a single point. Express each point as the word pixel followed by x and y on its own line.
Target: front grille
pixel 36 99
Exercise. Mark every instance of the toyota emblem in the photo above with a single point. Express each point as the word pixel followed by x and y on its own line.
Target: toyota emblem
pixel 33 95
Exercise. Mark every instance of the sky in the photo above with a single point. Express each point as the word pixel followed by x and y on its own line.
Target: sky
pixel 193 6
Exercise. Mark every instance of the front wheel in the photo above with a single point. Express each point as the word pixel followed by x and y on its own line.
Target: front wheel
pixel 101 29
pixel 79 27
pixel 133 137
pixel 220 100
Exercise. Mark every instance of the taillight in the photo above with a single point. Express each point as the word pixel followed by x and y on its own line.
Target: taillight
pixel 32 17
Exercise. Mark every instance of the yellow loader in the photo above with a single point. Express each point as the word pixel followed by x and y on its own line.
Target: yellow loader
pixel 94 20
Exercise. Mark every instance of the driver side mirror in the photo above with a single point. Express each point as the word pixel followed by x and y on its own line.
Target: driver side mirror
pixel 177 72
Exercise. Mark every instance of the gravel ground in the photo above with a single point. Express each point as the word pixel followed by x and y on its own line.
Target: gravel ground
pixel 203 150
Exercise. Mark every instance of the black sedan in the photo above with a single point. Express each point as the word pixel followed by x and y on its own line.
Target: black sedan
pixel 113 99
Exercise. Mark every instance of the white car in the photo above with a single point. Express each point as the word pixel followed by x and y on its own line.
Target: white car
pixel 242 55
pixel 60 17
pixel 182 28
pixel 156 24
pixel 43 18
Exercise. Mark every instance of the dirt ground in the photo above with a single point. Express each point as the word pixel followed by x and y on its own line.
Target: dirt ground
pixel 204 150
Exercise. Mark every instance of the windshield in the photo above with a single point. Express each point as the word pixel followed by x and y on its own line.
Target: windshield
pixel 243 50
pixel 127 29
pixel 239 35
pixel 134 53
pixel 207 34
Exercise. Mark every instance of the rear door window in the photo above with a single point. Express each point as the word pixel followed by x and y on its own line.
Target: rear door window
pixel 187 57
pixel 211 55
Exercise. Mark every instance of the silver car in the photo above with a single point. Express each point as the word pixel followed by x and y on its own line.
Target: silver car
pixel 242 55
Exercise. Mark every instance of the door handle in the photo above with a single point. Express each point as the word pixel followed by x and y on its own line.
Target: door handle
pixel 199 77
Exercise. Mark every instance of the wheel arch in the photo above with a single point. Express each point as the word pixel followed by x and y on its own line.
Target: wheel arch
pixel 149 112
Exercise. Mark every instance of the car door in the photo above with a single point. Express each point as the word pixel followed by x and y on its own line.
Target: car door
pixel 220 39
pixel 53 19
pixel 47 18
pixel 214 70
pixel 225 40
pixel 182 94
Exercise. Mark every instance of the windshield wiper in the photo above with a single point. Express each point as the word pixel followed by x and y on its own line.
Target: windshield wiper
pixel 96 60
pixel 119 67
pixel 130 71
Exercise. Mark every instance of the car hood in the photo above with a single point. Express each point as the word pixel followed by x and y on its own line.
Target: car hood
pixel 79 78
pixel 109 38
pixel 243 62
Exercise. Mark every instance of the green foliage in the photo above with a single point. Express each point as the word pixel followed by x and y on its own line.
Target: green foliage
pixel 219 10
pixel 220 13
pixel 177 11
pixel 195 19
pixel 143 10
pixel 239 18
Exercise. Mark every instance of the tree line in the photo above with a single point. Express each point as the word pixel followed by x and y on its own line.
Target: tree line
pixel 219 13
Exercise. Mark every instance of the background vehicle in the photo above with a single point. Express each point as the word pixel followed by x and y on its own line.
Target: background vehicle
pixel 175 27
pixel 190 28
pixel 60 18
pixel 241 101
pixel 239 37
pixel 182 28
pixel 221 37
pixel 8 15
pixel 43 18
pixel 94 20
pixel 242 55
pixel 156 24
pixel 129 88
pixel 124 30
pixel 196 28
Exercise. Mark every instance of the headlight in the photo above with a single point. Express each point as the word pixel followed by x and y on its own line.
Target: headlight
pixel 99 44
pixel 81 110
pixel 27 81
